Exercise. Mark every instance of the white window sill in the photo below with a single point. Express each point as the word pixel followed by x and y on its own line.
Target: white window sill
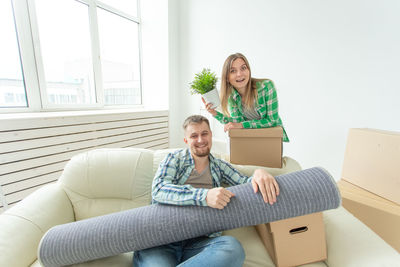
pixel 74 113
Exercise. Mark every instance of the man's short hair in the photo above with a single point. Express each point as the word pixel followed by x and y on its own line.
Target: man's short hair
pixel 195 119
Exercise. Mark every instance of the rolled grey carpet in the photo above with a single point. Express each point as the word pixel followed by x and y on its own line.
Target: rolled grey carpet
pixel 301 193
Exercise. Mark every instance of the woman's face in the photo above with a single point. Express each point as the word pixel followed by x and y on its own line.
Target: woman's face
pixel 239 75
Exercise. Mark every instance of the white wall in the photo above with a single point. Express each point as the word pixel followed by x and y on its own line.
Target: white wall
pixel 175 88
pixel 335 64
pixel 155 75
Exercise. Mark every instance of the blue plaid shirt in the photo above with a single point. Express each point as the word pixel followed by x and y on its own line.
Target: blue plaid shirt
pixel 168 184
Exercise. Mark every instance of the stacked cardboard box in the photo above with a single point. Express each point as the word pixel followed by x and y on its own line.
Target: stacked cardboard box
pixel 295 241
pixel 260 147
pixel 289 242
pixel 370 184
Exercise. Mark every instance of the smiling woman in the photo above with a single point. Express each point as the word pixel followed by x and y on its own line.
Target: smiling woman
pixel 246 102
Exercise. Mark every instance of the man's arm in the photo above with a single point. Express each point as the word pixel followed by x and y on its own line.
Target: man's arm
pixel 166 190
pixel 261 180
pixel 230 175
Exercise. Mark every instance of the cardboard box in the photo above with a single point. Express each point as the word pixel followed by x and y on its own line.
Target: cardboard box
pixel 261 147
pixel 379 214
pixel 295 241
pixel 372 161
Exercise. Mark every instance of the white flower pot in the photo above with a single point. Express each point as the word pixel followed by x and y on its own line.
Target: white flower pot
pixel 212 97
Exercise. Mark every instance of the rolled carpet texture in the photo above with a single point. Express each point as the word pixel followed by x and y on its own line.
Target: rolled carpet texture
pixel 302 192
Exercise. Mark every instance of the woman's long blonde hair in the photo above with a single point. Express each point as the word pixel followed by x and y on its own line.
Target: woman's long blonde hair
pixel 226 87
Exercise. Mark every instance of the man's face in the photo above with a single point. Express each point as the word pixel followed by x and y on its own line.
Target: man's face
pixel 198 137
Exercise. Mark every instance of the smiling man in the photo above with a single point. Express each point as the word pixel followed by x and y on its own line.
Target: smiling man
pixel 193 176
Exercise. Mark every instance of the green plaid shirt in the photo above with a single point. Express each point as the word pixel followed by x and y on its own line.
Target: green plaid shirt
pixel 266 106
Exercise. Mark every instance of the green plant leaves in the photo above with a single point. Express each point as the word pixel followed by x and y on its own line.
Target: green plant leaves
pixel 203 82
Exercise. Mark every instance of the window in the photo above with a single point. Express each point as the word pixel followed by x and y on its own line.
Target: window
pixel 86 54
pixel 12 89
pixel 65 47
pixel 128 6
pixel 119 58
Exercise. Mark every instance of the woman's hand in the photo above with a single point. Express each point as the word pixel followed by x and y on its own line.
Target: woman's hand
pixel 232 125
pixel 209 108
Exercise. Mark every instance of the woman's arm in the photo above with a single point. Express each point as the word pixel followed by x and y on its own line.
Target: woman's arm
pixel 223 119
pixel 216 114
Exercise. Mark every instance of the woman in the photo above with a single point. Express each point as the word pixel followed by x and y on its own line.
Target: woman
pixel 246 102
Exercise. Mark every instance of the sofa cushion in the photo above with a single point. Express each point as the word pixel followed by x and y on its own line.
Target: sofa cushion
pixel 103 181
pixel 351 243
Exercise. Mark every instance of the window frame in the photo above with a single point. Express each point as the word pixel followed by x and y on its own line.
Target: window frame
pixel 31 58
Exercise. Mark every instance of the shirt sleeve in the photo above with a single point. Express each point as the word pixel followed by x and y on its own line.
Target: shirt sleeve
pixel 165 187
pixel 270 101
pixel 222 118
pixel 225 119
pixel 230 175
pixel 235 113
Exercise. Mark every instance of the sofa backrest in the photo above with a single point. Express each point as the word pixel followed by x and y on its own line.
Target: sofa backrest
pixel 107 180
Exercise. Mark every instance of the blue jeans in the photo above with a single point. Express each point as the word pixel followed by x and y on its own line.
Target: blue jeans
pixel 196 252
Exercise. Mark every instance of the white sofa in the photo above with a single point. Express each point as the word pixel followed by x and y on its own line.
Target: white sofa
pixel 110 180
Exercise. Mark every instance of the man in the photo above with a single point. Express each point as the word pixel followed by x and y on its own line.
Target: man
pixel 193 177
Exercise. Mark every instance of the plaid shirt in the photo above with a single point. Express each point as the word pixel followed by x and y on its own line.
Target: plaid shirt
pixel 168 184
pixel 266 106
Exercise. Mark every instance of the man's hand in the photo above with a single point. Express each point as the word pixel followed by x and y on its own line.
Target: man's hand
pixel 233 125
pixel 218 197
pixel 267 184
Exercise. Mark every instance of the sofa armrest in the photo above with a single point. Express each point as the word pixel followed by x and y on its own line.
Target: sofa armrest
pixel 22 226
pixel 352 243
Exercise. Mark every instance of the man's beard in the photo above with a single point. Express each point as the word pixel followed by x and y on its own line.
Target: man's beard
pixel 197 153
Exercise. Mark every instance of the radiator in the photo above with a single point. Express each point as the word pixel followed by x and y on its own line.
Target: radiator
pixel 35 148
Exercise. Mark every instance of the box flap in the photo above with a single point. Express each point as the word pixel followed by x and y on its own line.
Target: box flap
pixel 263 132
pixel 358 194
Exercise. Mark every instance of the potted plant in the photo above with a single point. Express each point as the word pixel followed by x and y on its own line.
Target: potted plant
pixel 204 83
